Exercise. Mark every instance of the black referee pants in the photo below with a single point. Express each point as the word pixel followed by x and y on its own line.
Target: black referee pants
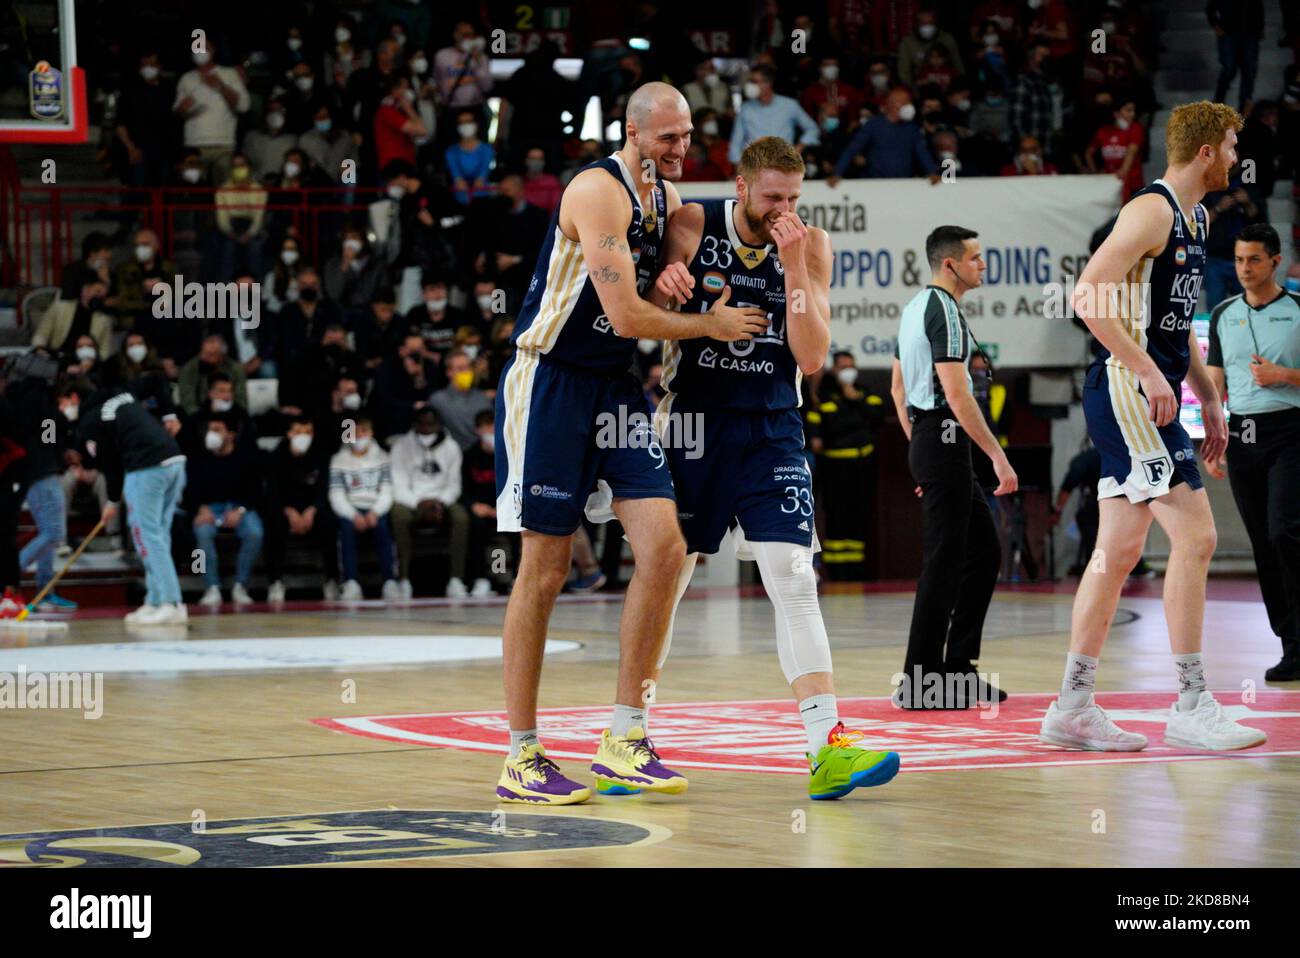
pixel 961 551
pixel 1265 479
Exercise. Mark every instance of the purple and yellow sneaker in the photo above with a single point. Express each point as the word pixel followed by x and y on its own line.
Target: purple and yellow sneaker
pixel 533 779
pixel 631 762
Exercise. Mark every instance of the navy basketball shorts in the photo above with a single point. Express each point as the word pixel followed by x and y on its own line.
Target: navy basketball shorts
pixel 747 469
pixel 559 431
pixel 1138 459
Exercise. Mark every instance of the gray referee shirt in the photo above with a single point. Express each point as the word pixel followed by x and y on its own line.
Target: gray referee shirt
pixel 932 330
pixel 1238 330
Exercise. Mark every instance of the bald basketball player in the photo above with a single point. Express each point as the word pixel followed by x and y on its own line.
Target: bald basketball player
pixel 575 341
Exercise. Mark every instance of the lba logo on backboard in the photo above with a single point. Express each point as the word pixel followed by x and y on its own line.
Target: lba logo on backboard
pixel 767 736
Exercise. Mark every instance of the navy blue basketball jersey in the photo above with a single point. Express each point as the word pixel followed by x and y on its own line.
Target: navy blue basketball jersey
pixel 561 316
pixel 756 375
pixel 1161 325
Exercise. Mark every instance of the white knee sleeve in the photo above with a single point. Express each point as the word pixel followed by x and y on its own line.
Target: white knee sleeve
pixel 788 576
pixel 683 580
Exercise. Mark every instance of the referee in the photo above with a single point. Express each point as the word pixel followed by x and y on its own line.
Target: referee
pixel 937 408
pixel 1255 352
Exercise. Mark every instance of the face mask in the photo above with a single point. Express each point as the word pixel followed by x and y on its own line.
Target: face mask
pixel 137 353
pixel 831 124
pixel 239 174
pixel 752 90
pixel 202 58
pixel 352 401
pixel 324 126
pixel 426 441
pixel 927 31
pixel 289 257
pixel 222 405
pixel 463 380
pixel 71 412
pixel 487 440
pixel 304 83
pixel 466 46
pixel 396 192
pixel 191 174
pixel 212 440
pixel 709 127
pixel 85 353
pixel 484 302
pixel 149 72
pixel 647 346
pixel 361 444
pixel 847 376
pixel 830 73
pixel 400 38
pixel 1035 4
pixel 712 79
pixel 291 170
pixel 1108 26
pixel 294 44
pixel 300 442
pixel 352 244
pixel 419 66
pixel 436 305
pixel 990 39
pixel 1121 123
pixel 962 105
pixel 309 294
pixel 907 112
pixel 880 80
pixel 535 166
pixel 467 130
pixel 342 35
pixel 144 252
pixel 471 351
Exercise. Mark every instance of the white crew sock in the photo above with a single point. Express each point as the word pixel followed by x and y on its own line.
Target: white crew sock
pixel 1191 680
pixel 519 739
pixel 820 715
pixel 1080 681
pixel 626 718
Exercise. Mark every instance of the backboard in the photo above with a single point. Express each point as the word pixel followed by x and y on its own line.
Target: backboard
pixel 42 90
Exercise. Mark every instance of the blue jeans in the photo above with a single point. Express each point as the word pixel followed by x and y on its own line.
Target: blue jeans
pixel 1220 280
pixel 348 546
pixel 249 533
pixel 151 497
pixel 49 509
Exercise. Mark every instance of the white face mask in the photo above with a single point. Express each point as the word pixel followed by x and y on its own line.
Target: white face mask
pixel 419 66
pixel 880 80
pixel 352 401
pixel 408 95
pixel 221 405
pixel 847 376
pixel 712 79
pixel 144 252
pixel 1121 123
pixel 300 442
pixel 907 112
pixel 289 257
pixel 830 73
pixel 137 353
pixel 396 192
pixel 202 58
pixel 647 346
pixel 752 90
pixel 709 127
pixel 304 83
pixel 990 39
pixel 361 443
pixel 426 441
pixel 274 121
pixel 352 244
pixel 291 171
pixel 484 302
pixel 212 440
pixel 294 43
pixel 466 130
pixel 487 440
pixel 962 105
pixel 342 35
pixel 436 305
pixel 191 174
pixel 71 412
pixel 85 353
pixel 149 72
pixel 927 31
pixel 470 350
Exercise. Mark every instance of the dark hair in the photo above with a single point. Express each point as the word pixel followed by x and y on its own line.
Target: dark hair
pixel 384 294
pixel 224 418
pixel 433 277
pixel 484 417
pixel 765 71
pixel 946 241
pixel 843 352
pixel 302 419
pixel 1261 233
pixel 217 376
pixel 94 242
pixel 396 168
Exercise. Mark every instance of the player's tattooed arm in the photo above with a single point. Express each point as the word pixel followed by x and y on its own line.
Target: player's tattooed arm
pixel 611 241
pixel 606 275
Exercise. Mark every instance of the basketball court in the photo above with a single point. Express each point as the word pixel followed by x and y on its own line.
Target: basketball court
pixel 381 727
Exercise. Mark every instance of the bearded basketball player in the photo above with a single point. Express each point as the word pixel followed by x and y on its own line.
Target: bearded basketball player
pixel 575 341
pixel 1130 400
pixel 750 474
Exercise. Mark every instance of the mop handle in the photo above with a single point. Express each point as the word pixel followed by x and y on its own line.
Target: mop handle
pixel 59 575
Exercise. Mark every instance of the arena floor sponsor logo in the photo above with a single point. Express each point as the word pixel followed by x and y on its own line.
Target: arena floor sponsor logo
pixel 318 839
pixel 257 654
pixel 767 736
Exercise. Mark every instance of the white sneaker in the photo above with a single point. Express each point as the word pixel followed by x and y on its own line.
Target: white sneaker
pixel 275 593
pixel 1207 727
pixel 456 589
pixel 1087 728
pixel 482 587
pixel 174 613
pixel 240 595
pixel 330 591
pixel 212 597
pixel 407 590
pixel 147 615
pixel 351 591
pixel 391 590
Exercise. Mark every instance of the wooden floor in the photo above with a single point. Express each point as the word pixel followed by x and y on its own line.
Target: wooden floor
pixel 192 732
